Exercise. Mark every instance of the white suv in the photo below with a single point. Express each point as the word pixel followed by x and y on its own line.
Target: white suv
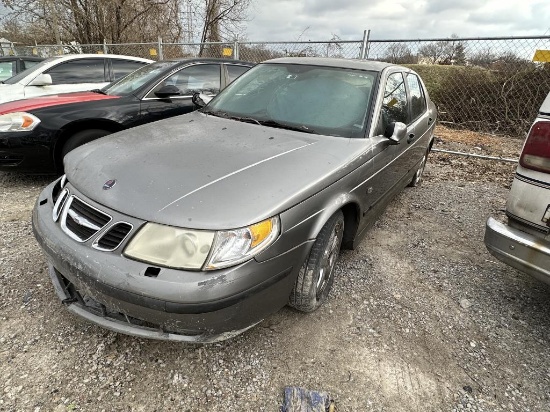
pixel 524 243
pixel 69 73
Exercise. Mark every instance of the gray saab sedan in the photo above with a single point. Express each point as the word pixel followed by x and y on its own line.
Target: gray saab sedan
pixel 197 227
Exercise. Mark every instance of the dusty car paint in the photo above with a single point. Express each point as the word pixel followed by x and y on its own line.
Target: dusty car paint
pixel 203 172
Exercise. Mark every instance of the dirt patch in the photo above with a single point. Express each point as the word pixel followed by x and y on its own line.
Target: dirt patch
pixel 421 318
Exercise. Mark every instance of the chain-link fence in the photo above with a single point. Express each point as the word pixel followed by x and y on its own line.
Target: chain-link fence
pixel 492 85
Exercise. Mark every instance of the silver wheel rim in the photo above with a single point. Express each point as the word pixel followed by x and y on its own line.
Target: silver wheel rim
pixel 420 171
pixel 330 256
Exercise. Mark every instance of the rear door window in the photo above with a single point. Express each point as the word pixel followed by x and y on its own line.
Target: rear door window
pixel 7 69
pixel 235 71
pixel 79 71
pixel 123 67
pixel 27 64
pixel 418 99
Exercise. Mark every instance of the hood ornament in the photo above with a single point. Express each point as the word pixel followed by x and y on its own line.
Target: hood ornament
pixel 109 184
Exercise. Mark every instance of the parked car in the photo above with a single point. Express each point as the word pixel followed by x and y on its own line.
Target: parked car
pixel 69 73
pixel 57 124
pixel 523 242
pixel 11 65
pixel 197 227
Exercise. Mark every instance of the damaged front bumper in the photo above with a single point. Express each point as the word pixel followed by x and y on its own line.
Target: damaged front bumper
pixel 114 292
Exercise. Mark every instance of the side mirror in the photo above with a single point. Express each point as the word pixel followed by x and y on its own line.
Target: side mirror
pixel 167 91
pixel 395 132
pixel 201 99
pixel 42 79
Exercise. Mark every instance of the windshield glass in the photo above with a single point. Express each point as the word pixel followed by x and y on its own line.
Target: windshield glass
pixel 25 73
pixel 136 79
pixel 315 99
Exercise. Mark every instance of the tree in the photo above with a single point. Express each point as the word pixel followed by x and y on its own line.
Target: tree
pixel 93 21
pixel 123 21
pixel 399 53
pixel 444 52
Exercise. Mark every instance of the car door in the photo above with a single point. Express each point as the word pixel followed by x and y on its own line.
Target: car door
pixel 421 123
pixel 72 76
pixel 394 107
pixel 204 78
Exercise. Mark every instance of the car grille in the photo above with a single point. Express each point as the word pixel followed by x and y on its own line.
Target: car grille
pixel 113 237
pixel 81 221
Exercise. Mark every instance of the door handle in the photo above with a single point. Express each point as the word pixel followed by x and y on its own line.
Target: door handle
pixel 430 120
pixel 411 137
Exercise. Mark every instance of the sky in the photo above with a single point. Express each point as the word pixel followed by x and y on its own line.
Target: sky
pixel 290 20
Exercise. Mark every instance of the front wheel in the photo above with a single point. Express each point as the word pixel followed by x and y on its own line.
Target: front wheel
pixel 317 273
pixel 80 138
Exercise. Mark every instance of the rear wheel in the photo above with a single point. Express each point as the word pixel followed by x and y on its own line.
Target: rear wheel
pixel 417 178
pixel 80 138
pixel 317 273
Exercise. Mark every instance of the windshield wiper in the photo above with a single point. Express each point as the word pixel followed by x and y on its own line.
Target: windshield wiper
pixel 274 123
pixel 216 113
pixel 98 91
pixel 245 119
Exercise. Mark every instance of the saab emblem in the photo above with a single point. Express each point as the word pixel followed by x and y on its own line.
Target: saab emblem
pixel 109 184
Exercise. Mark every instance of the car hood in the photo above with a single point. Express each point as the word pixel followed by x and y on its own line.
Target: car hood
pixel 203 172
pixel 28 105
pixel 10 92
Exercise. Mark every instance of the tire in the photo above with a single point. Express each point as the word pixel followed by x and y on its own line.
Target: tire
pixel 317 273
pixel 80 138
pixel 417 178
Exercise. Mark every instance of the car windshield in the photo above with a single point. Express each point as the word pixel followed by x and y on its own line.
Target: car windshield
pixel 136 79
pixel 25 73
pixel 315 99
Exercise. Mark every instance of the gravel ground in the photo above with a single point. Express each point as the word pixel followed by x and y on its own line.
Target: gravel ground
pixel 421 318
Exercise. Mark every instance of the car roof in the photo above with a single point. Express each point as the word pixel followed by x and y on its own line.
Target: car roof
pixel 335 62
pixel 11 58
pixel 66 57
pixel 209 60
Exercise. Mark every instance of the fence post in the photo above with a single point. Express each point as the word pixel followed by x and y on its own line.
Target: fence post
pixel 105 48
pixel 236 50
pixel 161 54
pixel 364 52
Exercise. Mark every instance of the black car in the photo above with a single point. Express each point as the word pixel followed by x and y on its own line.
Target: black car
pixel 11 65
pixel 36 134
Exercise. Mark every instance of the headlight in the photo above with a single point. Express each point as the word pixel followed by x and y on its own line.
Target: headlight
pixel 170 246
pixel 18 122
pixel 235 246
pixel 197 249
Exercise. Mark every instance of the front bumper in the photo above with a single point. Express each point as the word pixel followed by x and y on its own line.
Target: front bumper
pixel 28 152
pixel 521 250
pixel 192 306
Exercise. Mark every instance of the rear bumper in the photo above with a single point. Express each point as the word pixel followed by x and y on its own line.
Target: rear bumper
pixel 518 249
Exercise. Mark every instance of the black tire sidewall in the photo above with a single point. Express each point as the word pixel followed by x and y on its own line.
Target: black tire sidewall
pixel 80 138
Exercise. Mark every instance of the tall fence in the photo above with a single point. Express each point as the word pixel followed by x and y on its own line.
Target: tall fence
pixel 492 85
